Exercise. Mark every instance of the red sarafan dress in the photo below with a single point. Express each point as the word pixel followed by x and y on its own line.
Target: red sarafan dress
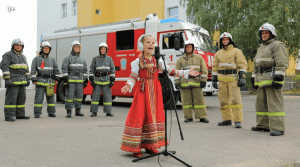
pixel 145 123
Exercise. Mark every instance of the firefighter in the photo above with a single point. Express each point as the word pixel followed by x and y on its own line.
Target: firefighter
pixel 191 88
pixel 270 65
pixel 16 74
pixel 45 75
pixel 74 73
pixel 229 68
pixel 102 77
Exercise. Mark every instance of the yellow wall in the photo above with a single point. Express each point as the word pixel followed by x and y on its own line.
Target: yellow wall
pixel 152 6
pixel 116 10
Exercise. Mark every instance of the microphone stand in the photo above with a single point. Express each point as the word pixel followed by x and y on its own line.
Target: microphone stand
pixel 165 152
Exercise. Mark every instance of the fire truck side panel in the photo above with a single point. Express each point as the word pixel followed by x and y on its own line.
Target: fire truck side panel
pixel 122 59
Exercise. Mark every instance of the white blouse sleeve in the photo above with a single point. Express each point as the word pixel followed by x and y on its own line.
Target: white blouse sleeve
pixel 172 72
pixel 134 73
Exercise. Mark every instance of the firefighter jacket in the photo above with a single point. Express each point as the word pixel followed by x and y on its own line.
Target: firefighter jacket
pixel 185 63
pixel 14 66
pixel 75 68
pixel 44 70
pixel 227 63
pixel 102 68
pixel 271 58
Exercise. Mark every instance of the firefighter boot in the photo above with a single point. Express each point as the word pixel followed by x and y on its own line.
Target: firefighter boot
pixel 205 120
pixel 238 125
pixel 188 120
pixel 23 117
pixel 78 113
pixel 69 113
pixel 109 114
pixel 37 116
pixel 225 123
pixel 51 115
pixel 260 129
pixel 10 119
pixel 94 114
pixel 276 133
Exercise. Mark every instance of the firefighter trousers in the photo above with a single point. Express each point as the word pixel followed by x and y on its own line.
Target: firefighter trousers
pixel 107 99
pixel 231 102
pixel 40 91
pixel 193 99
pixel 15 99
pixel 74 95
pixel 270 108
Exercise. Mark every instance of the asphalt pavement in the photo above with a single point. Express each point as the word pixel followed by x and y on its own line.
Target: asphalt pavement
pixel 87 141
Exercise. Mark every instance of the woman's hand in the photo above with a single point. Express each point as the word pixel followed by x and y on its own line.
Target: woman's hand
pixel 194 73
pixel 125 89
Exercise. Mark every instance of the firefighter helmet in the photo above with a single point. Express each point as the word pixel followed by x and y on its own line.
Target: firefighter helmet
pixel 189 42
pixel 226 35
pixel 103 44
pixel 75 43
pixel 45 44
pixel 17 41
pixel 268 27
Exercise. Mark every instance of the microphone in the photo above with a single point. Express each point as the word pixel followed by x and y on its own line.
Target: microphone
pixel 157 52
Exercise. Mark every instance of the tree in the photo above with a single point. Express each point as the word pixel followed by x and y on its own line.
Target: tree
pixel 242 18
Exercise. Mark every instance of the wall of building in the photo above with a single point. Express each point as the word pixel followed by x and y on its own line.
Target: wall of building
pixel 116 10
pixel 49 17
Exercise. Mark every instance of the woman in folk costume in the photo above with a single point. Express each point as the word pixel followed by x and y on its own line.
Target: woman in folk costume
pixel 145 123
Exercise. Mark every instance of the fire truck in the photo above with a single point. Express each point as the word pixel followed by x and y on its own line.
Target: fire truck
pixel 122 37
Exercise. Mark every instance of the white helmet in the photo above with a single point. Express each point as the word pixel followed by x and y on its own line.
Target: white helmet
pixel 226 35
pixel 268 27
pixel 46 43
pixel 140 44
pixel 189 42
pixel 17 41
pixel 76 43
pixel 103 44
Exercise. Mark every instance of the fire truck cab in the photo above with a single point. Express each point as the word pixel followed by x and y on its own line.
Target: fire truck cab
pixel 121 38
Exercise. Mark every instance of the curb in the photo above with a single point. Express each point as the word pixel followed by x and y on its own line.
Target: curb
pixel 297 164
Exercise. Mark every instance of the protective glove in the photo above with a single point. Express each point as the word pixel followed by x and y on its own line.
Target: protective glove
pixel 112 81
pixel 214 81
pixel 277 78
pixel 253 81
pixel 33 79
pixel 56 78
pixel 91 78
pixel 202 84
pixel 242 81
pixel 28 82
pixel 65 79
pixel 177 86
pixel 8 82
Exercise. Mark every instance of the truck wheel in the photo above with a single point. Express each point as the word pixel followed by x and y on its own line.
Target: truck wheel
pixel 61 92
pixel 167 93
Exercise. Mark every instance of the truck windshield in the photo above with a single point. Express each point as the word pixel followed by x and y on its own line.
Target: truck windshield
pixel 201 41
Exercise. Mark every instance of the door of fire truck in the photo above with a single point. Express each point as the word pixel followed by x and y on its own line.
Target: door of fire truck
pixel 166 44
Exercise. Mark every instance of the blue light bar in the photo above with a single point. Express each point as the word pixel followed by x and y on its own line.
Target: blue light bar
pixel 170 20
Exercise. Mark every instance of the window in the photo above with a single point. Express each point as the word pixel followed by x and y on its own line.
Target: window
pixel 168 41
pixel 64 10
pixel 125 40
pixel 74 10
pixel 173 12
pixel 98 12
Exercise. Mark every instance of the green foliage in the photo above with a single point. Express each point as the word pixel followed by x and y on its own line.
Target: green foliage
pixel 242 18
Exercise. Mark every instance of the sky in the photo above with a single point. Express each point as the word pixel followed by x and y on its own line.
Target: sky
pixel 20 23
